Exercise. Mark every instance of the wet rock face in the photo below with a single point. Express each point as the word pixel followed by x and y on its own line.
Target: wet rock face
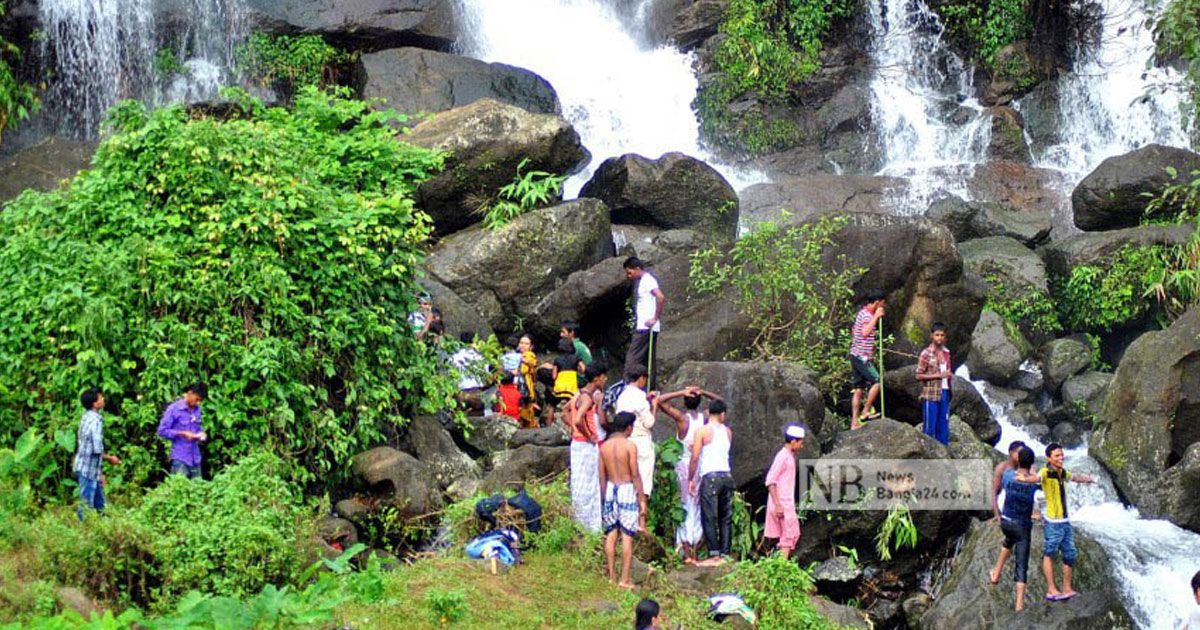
pixel 1114 195
pixel 370 24
pixel 43 166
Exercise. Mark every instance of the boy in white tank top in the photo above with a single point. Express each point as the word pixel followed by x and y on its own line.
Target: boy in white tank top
pixel 687 424
pixel 710 475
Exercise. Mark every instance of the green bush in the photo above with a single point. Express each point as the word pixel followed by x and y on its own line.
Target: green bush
pixel 797 305
pixel 779 591
pixel 17 98
pixel 245 528
pixel 1098 299
pixel 290 62
pixel 1177 34
pixel 769 48
pixel 529 191
pixel 983 27
pixel 272 254
pixel 1028 309
pixel 446 607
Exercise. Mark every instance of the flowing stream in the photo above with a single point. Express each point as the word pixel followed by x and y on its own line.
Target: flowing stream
pixel 1152 559
pixel 108 50
pixel 931 130
pixel 622 93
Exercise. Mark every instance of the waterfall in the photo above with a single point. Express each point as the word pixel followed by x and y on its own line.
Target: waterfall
pixel 930 128
pixel 1116 100
pixel 106 50
pixel 1153 560
pixel 622 93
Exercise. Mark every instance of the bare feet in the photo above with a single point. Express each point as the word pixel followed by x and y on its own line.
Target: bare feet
pixel 625 585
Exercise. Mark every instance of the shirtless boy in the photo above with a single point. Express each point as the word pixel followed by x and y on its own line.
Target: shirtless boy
pixel 624 505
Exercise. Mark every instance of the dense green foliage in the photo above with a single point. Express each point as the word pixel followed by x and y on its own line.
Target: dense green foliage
pixel 228 536
pixel 290 62
pixel 779 591
pixel 983 27
pixel 272 255
pixel 1177 34
pixel 1028 309
pixel 769 48
pixel 529 191
pixel 1098 299
pixel 796 294
pixel 17 98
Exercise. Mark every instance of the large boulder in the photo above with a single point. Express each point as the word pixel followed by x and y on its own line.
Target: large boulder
pixel 362 23
pixel 902 398
pixel 525 464
pixel 419 81
pixel 486 142
pixel 696 22
pixel 1149 424
pixel 1002 260
pixel 43 166
pixel 1114 195
pixel 880 439
pixel 595 297
pixel 674 191
pixel 997 349
pixel 1062 359
pixel 506 272
pixel 458 316
pixel 653 244
pixel 818 195
pixel 1083 395
pixel 1017 185
pixel 426 439
pixel 980 219
pixel 968 600
pixel 763 398
pixel 399 480
pixel 1099 248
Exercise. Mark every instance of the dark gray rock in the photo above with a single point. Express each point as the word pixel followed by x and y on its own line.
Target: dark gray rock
pixel 489 434
pixel 555 435
pixel 969 220
pixel 1028 381
pixel 362 23
pixel 399 480
pixel 1148 428
pixel 426 439
pixel 486 141
pixel 419 81
pixel 813 196
pixel 507 272
pixel 652 244
pixel 1015 266
pixel 458 316
pixel 1016 69
pixel 902 398
pixel 1062 359
pixel 1099 248
pixel 763 398
pixel 1025 414
pixel 1038 431
pixel 674 191
pixel 595 297
pixel 967 600
pixel 1016 185
pixel 997 349
pixel 1007 140
pixel 525 464
pixel 1083 395
pixel 43 166
pixel 956 214
pixel 1067 434
pixel 1114 195
pixel 696 22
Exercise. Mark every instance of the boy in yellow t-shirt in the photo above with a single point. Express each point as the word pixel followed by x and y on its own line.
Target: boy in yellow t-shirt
pixel 1058 533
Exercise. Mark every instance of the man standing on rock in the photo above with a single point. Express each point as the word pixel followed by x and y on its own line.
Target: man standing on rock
pixel 862 349
pixel 1059 536
pixel 933 370
pixel 636 401
pixel 711 476
pixel 647 312
pixel 687 424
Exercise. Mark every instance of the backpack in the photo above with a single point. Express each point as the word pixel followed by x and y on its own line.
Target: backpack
pixel 611 395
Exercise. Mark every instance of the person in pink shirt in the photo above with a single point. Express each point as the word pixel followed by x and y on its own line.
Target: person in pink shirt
pixel 782 522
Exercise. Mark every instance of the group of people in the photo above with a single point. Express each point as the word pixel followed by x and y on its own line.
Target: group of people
pixel 180 425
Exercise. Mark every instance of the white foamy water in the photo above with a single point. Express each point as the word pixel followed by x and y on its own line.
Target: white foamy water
pixel 622 94
pixel 930 128
pixel 1115 101
pixel 1153 560
pixel 104 51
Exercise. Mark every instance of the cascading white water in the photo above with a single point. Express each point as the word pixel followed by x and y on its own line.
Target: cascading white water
pixel 1116 100
pixel 622 94
pixel 930 128
pixel 105 50
pixel 1152 560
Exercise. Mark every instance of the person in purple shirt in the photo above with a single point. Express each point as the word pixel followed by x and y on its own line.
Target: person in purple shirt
pixel 181 425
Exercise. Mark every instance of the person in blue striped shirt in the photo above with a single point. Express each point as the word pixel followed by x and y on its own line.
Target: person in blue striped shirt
pixel 89 453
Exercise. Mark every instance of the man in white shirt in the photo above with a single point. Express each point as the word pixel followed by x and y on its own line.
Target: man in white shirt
pixel 634 400
pixel 647 313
